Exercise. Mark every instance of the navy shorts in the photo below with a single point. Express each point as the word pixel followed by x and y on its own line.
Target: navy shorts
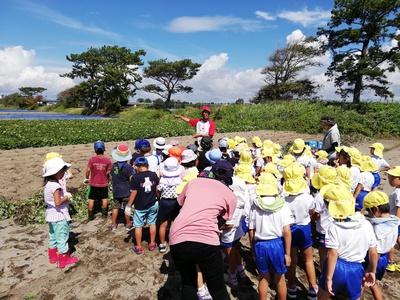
pixel 360 200
pixel 98 193
pixel 270 256
pixel 168 209
pixel 383 262
pixel 347 279
pixel 301 236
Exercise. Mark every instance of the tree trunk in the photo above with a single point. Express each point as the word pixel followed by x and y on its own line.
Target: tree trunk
pixel 168 100
pixel 359 80
pixel 357 90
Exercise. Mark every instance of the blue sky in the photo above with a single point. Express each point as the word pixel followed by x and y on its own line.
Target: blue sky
pixel 232 37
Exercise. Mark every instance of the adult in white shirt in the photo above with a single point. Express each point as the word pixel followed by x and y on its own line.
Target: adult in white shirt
pixel 332 136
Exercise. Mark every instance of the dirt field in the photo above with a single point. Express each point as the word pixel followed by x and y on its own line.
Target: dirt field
pixel 108 268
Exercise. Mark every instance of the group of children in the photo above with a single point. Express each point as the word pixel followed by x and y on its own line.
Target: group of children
pixel 286 203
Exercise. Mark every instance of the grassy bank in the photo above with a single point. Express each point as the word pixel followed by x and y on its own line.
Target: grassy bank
pixel 371 120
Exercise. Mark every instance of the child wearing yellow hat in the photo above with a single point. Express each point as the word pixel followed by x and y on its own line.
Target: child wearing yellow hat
pixel 326 175
pixel 376 151
pixel 271 243
pixel 347 239
pixel 394 204
pixel 344 176
pixel 256 147
pixel 366 182
pixel 298 150
pixel 345 158
pixel 297 195
pixel 321 157
pixel 376 204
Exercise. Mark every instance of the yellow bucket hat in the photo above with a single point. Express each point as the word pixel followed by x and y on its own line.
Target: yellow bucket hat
pixel 321 155
pixel 268 152
pixel 190 176
pixel 355 156
pixel 378 149
pixel 294 179
pixel 265 189
pixel 267 178
pixel 231 143
pixel 374 199
pixel 257 141
pixel 368 164
pixel 298 146
pixel 326 175
pixel 308 152
pixel 239 140
pixel 287 161
pixel 243 171
pixel 51 155
pixel 344 176
pixel 395 172
pixel 341 201
pixel 268 144
pixel 245 157
pixel 272 169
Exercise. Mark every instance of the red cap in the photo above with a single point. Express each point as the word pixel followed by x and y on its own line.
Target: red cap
pixel 205 108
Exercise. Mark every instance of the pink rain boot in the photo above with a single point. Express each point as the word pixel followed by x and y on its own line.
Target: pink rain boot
pixel 53 258
pixel 65 260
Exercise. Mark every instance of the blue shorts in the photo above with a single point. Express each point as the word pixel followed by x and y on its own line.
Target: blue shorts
pixel 150 214
pixel 270 256
pixel 347 279
pixel 301 236
pixel 383 262
pixel 229 245
pixel 377 180
pixel 360 200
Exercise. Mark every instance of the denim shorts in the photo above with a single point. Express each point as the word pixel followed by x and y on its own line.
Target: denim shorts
pixel 148 216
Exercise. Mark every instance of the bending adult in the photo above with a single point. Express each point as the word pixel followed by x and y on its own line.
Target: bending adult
pixel 194 235
pixel 332 136
pixel 204 126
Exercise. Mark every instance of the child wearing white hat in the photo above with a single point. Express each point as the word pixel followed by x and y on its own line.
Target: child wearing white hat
pixel 57 215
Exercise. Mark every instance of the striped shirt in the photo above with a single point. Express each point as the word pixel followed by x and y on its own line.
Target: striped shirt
pixel 55 213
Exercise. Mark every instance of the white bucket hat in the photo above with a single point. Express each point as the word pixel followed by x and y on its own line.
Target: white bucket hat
pixel 159 143
pixel 188 155
pixel 171 167
pixel 52 166
pixel 121 153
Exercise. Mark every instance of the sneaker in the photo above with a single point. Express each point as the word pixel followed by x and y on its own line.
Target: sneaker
pixel 113 228
pixel 391 267
pixel 162 248
pixel 203 293
pixel 292 293
pixel 137 250
pixel 152 246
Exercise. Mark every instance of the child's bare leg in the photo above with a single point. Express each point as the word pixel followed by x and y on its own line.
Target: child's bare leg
pixel 310 270
pixel 104 203
pixel 200 281
pixel 280 286
pixel 162 231
pixel 292 269
pixel 376 292
pixel 153 230
pixel 90 209
pixel 138 236
pixel 263 284
pixel 114 216
pixel 128 221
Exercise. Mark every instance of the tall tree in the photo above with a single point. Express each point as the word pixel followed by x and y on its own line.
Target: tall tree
pixel 281 74
pixel 28 91
pixel 170 77
pixel 110 76
pixel 356 33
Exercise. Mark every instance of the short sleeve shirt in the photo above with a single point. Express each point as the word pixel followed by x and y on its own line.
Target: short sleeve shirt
pixel 300 206
pixel 100 166
pixel 380 162
pixel 331 136
pixel 55 213
pixel 145 183
pixel 121 174
pixel 394 201
pixel 367 180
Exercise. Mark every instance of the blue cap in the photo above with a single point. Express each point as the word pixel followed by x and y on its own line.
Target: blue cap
pixel 213 155
pixel 143 144
pixel 137 144
pixel 99 145
pixel 141 161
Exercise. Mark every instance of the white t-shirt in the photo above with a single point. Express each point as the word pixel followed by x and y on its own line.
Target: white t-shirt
pixel 355 177
pixel 351 239
pixel 325 219
pixel 394 201
pixel 154 163
pixel 202 128
pixel 331 136
pixel 304 160
pixel 269 225
pixel 300 206
pixel 385 233
pixel 367 180
pixel 251 191
pixel 380 162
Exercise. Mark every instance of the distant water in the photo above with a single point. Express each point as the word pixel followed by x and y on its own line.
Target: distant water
pixel 20 114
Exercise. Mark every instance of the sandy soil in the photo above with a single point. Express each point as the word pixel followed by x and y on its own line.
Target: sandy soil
pixel 108 268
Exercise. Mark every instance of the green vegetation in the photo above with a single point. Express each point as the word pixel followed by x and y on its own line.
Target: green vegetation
pixel 372 119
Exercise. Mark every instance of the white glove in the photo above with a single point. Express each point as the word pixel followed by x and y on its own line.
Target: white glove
pixel 128 210
pixel 67 196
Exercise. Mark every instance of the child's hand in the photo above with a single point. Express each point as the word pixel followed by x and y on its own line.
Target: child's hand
pixel 369 279
pixel 329 287
pixel 288 260
pixel 128 210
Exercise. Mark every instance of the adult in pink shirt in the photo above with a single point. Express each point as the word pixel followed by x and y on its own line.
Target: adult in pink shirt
pixel 204 126
pixel 194 235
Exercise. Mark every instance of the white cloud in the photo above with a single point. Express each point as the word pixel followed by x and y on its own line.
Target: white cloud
pixel 44 12
pixel 265 15
pixel 18 68
pixel 296 36
pixel 211 23
pixel 306 17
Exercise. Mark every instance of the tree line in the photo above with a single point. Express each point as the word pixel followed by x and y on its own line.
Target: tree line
pixel 357 38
